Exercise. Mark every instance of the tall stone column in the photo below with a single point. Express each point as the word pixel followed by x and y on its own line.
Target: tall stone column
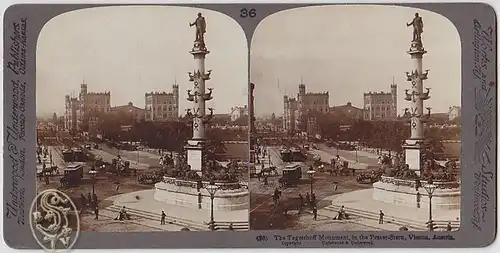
pixel 198 97
pixel 415 145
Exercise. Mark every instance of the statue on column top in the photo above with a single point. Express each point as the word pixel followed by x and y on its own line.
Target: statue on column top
pixel 201 27
pixel 418 28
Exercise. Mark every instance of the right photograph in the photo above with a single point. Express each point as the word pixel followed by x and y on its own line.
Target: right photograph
pixel 355 120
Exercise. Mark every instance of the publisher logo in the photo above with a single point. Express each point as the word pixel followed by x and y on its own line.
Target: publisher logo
pixel 54 221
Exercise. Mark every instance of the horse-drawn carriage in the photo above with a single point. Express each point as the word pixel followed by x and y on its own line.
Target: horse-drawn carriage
pixel 291 175
pixel 120 167
pixel 73 175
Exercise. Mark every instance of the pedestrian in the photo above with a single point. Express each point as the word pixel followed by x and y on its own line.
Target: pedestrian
pixel 448 228
pixel 83 201
pixel 301 200
pixel 95 199
pixel 96 212
pixel 117 187
pixel 381 217
pixel 258 176
pixel 265 180
pixel 163 216
pixel 341 213
pixel 418 199
pixel 89 197
pixel 315 213
pixel 308 198
pixel 47 180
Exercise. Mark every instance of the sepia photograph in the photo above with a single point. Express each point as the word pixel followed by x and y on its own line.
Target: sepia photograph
pixel 143 118
pixel 355 120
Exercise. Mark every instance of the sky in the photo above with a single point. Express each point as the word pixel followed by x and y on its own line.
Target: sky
pixel 131 50
pixel 349 50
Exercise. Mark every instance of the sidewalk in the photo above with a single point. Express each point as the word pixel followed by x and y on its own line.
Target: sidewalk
pixel 363 200
pixel 144 201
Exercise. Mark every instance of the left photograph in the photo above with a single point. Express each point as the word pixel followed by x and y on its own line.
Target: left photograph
pixel 142 118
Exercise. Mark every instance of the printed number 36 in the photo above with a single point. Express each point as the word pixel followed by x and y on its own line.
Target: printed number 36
pixel 244 13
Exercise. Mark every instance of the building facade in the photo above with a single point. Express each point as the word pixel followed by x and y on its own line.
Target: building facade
pixel 83 111
pixel 289 114
pixel 381 105
pixel 454 112
pixel 130 110
pixel 349 111
pixel 162 106
pixel 296 109
pixel 238 112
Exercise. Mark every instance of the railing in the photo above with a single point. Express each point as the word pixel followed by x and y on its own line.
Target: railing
pixel 412 183
pixel 194 184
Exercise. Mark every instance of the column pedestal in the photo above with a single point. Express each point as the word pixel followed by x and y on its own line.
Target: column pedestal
pixel 195 155
pixel 413 154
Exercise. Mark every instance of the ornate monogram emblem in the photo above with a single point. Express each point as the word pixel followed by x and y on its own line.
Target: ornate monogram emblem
pixel 54 221
pixel 196 84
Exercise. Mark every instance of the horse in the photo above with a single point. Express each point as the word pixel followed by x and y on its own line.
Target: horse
pixel 269 171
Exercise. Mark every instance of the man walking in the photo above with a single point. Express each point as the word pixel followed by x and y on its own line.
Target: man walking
pixel 163 216
pixel 381 217
pixel 96 212
pixel 315 213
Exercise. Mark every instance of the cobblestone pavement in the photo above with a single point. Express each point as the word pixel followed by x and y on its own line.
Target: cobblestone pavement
pixel 264 214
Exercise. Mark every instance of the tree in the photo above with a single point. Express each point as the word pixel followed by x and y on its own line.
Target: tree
pixel 242 121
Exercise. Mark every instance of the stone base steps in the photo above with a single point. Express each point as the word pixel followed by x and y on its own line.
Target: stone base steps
pixel 191 224
pixel 410 224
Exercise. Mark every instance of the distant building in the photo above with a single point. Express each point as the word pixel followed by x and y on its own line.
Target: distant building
pixel 454 112
pixel 162 106
pixel 289 114
pixel 72 115
pixel 238 112
pixel 134 112
pixel 221 118
pixel 81 110
pixel 381 105
pixel 295 109
pixel 349 111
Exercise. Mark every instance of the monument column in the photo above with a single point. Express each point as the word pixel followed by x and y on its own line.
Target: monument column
pixel 198 97
pixel 415 146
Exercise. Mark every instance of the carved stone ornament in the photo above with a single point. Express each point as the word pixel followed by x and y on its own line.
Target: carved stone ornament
pixel 50 215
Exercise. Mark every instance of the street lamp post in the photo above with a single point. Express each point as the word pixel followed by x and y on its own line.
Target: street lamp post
pixel 430 188
pixel 311 173
pixel 212 189
pixel 93 173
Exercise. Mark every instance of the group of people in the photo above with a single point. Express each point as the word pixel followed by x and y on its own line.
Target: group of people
pixel 122 215
pixel 310 200
pixel 90 202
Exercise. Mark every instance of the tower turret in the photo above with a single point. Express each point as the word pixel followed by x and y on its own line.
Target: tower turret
pixel 302 89
pixel 394 95
pixel 175 92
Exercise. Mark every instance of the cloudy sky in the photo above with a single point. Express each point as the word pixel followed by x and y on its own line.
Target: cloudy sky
pixel 133 50
pixel 349 50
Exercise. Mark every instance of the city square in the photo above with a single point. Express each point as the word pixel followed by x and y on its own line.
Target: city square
pixel 177 163
pixel 391 164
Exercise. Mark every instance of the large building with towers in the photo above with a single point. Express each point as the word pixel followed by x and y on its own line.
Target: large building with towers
pixel 296 109
pixel 162 106
pixel 381 105
pixel 81 111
